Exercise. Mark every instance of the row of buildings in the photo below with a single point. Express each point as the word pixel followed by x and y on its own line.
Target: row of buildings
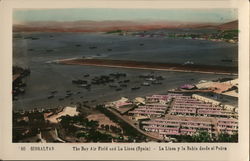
pixel 178 114
pixel 191 106
pixel 169 127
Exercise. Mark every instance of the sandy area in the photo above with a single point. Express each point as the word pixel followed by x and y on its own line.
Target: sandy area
pixel 220 86
pixel 102 119
pixel 71 111
pixel 150 65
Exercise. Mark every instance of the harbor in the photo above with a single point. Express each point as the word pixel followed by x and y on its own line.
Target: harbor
pixel 77 90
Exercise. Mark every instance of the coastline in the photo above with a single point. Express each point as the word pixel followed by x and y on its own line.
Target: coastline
pixel 151 66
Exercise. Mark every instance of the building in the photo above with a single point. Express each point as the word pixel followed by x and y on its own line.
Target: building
pixel 205 99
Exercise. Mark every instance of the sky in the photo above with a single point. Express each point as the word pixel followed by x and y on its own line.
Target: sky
pixel 108 14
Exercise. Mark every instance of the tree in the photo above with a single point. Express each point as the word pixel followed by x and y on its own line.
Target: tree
pixel 202 136
pixel 107 127
pixel 225 137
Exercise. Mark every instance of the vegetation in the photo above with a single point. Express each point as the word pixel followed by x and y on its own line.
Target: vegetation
pixel 229 34
pixel 80 127
pixel 127 129
pixel 224 137
pixel 114 31
pixel 224 35
pixel 204 136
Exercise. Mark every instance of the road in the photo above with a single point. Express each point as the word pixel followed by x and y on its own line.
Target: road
pixel 131 124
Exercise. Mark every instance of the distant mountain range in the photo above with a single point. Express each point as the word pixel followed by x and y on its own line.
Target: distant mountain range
pixel 229 26
pixel 105 26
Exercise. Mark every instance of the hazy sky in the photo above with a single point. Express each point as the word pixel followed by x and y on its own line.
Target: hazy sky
pixel 179 15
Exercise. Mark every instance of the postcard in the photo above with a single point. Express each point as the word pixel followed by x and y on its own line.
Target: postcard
pixel 109 80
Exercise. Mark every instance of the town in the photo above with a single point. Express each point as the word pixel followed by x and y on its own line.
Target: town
pixel 184 114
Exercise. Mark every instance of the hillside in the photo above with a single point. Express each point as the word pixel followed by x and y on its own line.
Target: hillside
pixel 229 26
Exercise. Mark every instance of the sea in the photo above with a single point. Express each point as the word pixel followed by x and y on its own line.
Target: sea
pixel 38 54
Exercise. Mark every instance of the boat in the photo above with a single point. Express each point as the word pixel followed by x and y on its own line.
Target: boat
pixel 34 38
pixel 188 62
pixel 112 85
pixel 21 90
pixel 79 81
pixel 118 89
pixel 60 99
pixel 53 92
pixel 126 81
pixel 92 47
pixel 156 82
pixel 227 60
pixel 123 85
pixel 85 85
pixel 69 93
pixel 135 88
pixel 150 79
pixel 145 84
pixel 159 77
pixel 146 76
pixel 51 96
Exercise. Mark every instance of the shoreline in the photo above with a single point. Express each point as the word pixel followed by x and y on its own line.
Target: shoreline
pixel 150 66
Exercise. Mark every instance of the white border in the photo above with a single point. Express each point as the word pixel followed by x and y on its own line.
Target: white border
pixel 237 151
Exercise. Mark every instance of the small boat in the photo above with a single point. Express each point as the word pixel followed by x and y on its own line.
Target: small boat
pixel 126 81
pixel 156 82
pixel 34 38
pixel 85 85
pixel 51 96
pixel 79 81
pixel 92 47
pixel 21 90
pixel 118 89
pixel 227 60
pixel 53 92
pixel 112 85
pixel 135 88
pixel 150 79
pixel 159 77
pixel 123 85
pixel 145 84
pixel 188 62
pixel 60 99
